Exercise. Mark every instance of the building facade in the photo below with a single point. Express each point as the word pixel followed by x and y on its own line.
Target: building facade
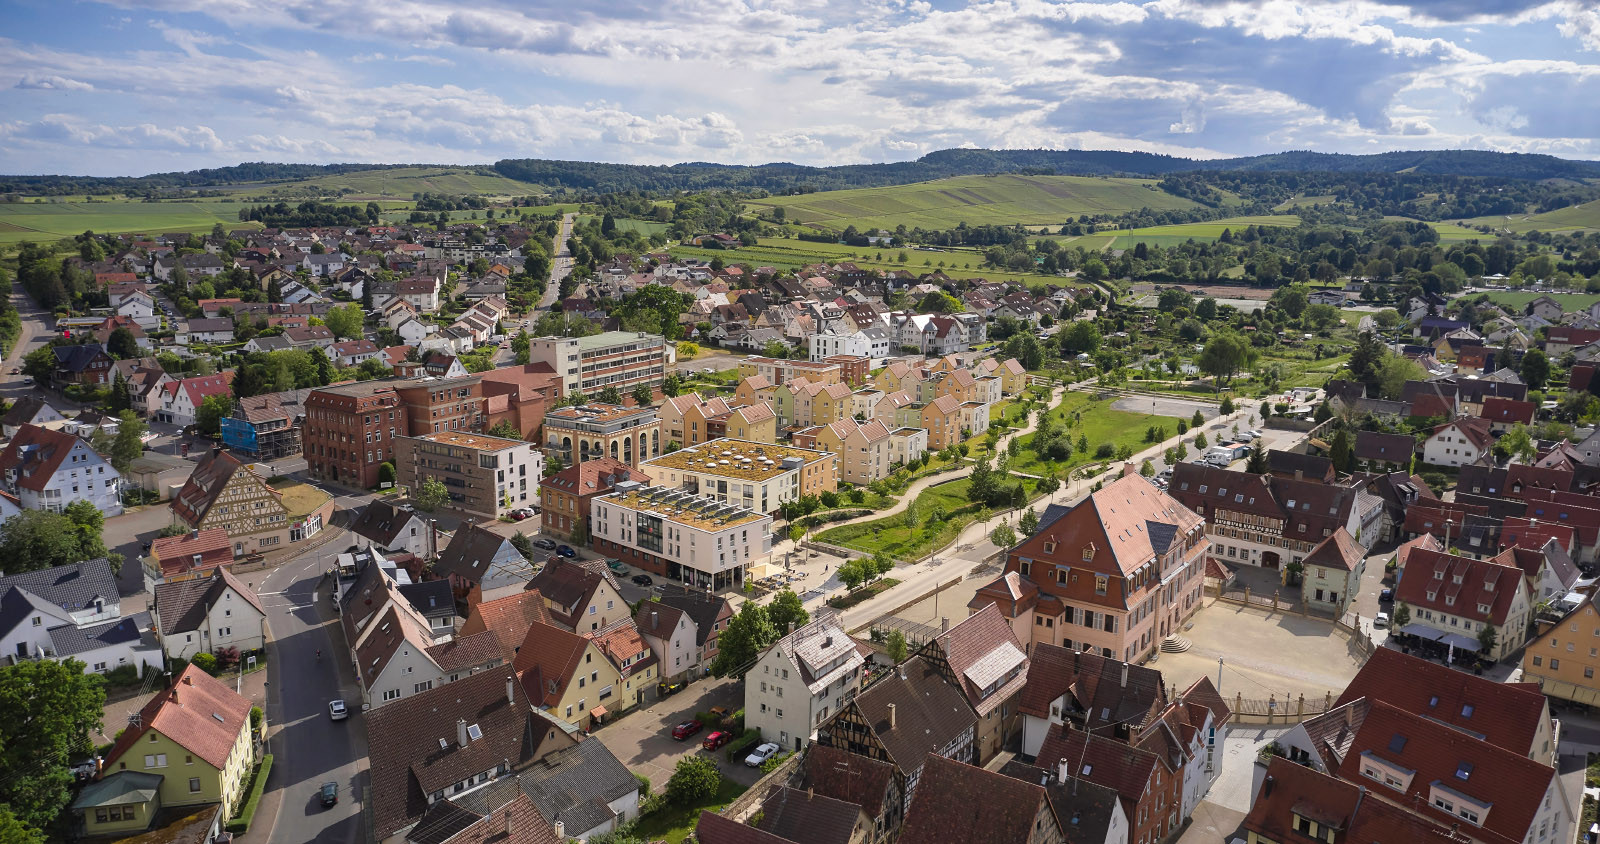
pixel 631 435
pixel 688 538
pixel 621 359
pixel 49 470
pixel 486 476
pixel 755 476
pixel 350 431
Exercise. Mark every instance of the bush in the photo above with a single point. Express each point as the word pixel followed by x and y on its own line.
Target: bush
pixel 206 662
pixel 247 810
pixel 256 716
pixel 123 675
pixel 1105 451
pixel 695 778
pixel 741 746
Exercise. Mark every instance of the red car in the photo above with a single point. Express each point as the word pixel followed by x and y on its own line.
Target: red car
pixel 716 740
pixel 686 729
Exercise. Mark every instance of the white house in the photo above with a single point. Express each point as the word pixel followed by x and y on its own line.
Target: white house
pixel 814 670
pixel 72 611
pixel 671 634
pixel 141 308
pixel 1462 442
pixel 180 400
pixel 48 470
pixel 353 352
pixel 206 614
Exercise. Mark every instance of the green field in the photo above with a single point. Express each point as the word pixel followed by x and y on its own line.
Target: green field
pixel 1100 424
pixel 1302 201
pixel 1183 232
pixel 974 200
pixel 785 253
pixel 1519 299
pixel 1573 218
pixel 398 183
pixel 50 221
pixel 644 227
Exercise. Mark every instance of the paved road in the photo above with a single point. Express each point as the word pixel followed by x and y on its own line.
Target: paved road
pixel 561 267
pixel 36 330
pixel 308 747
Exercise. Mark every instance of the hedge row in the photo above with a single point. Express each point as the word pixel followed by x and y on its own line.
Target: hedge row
pixel 258 783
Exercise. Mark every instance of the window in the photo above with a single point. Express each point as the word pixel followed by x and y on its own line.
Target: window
pixel 155 760
pixel 1554 664
pixel 391 694
pixel 194 785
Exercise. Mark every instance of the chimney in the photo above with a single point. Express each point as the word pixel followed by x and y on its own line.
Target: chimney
pixel 1061 769
pixel 461 731
pixel 811 793
pixel 1124 675
pixel 653 619
pixel 561 831
pixel 511 689
pixel 791 627
pixel 891 716
pixel 1350 716
pixel 944 624
pixel 1266 787
pixel 188 680
pixel 1299 474
pixel 508 821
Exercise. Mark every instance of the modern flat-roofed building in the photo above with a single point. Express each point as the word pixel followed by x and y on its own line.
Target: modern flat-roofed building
pixel 631 435
pixel 621 359
pixel 692 539
pixel 757 476
pixel 486 476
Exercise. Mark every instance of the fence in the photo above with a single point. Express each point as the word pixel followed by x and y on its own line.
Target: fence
pixel 1276 710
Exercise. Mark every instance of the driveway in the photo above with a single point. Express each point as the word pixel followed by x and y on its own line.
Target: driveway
pixel 643 740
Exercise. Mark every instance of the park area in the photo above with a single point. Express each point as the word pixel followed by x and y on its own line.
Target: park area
pixel 1097 423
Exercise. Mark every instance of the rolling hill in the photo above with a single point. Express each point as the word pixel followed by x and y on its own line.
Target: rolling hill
pixel 1572 218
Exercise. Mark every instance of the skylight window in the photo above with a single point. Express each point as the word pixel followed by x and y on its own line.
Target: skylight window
pixel 1464 771
pixel 1398 743
pixel 1466 710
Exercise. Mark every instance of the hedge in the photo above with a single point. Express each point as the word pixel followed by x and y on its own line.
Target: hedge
pixel 247 812
pixel 740 747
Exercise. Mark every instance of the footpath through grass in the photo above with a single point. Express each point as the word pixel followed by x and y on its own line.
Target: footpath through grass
pixel 1097 422
pixel 933 521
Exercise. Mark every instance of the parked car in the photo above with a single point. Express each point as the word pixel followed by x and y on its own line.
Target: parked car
pixel 337 710
pixel 716 740
pixel 719 711
pixel 1380 621
pixel 329 793
pixel 644 580
pixel 1386 596
pixel 545 544
pixel 616 566
pixel 761 754
pixel 518 515
pixel 1253 434
pixel 686 729
pixel 566 551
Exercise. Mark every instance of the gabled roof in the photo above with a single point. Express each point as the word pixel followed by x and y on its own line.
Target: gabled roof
pixel 1112 525
pixel 1290 789
pixel 1104 690
pixel 36 454
pixel 704 609
pixel 206 484
pixel 1390 448
pixel 1485 593
pixel 183 606
pixel 796 815
pixel 72 587
pixel 1102 760
pixel 984 654
pixel 569 585
pixel 508 619
pixel 960 804
pixel 547 660
pixel 847 776
pixel 198 712
pixel 593 477
pixel 1339 551
pixel 1508 715
pixel 929 712
pixel 389 632
pixel 713 828
pixel 469 553
pixel 78 357
pixel 383 523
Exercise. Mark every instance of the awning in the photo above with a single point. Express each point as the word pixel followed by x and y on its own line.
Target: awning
pixel 597 712
pixel 1422 631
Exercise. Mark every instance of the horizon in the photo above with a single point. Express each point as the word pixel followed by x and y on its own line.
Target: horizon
pixel 132 87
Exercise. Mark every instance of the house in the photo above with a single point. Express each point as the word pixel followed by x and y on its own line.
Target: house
pixel 1502 414
pixel 395 528
pixel 960 804
pixel 1147 785
pixel 1453 599
pixel 1561 661
pixel 902 719
pixel 566 495
pixel 508 619
pixel 1544 307
pixel 790 815
pixel 1294 802
pixel 310 337
pixel 1085 691
pixel 209 331
pixel 708 612
pixel 1332 572
pixel 72 611
pixel 28 410
pixel 809 674
pixel 580 598
pixel 189 555
pixel 49 470
pixel 207 614
pixel 181 400
pixel 1382 452
pixel 942 419
pixel 482 565
pixel 353 352
pixel 628 652
pixel 200 721
pixel 987 663
pixel 568 675
pixel 437 749
pixel 123 804
pixel 266 425
pixel 859 780
pixel 87 364
pixel 1091 813
pixel 225 493
pixel 1461 442
pixel 865 449
pixel 670 633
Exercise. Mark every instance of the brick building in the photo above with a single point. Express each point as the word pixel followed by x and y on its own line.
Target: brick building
pixel 441 404
pixel 566 494
pixel 350 430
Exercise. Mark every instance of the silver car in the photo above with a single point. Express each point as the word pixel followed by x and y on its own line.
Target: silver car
pixel 761 754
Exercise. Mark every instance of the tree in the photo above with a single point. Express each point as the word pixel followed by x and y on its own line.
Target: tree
pixel 122 344
pixel 523 544
pixel 1488 636
pixel 610 395
pixel 504 430
pixel 120 398
pixel 1227 405
pixel 1200 440
pixel 1003 536
pixel 895 645
pixel 1225 354
pixel 208 416
pixel 643 396
pixel 1402 616
pixel 1257 464
pixel 1535 369
pixel 38 539
pixel 672 385
pixel 1029 522
pixel 580 531
pixel 694 779
pixel 15 831
pixel 851 574
pixel 519 347
pixel 1147 468
pixel 40 364
pixel 1341 451
pixel 430 496
pixel 129 442
pixel 48 710
pixel 1394 372
pixel 748 633
pixel 1517 442
pixel 345 321
pixel 386 474
pixel 786 611
pixel 688 351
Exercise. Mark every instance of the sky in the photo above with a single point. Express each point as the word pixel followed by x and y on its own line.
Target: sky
pixel 129 87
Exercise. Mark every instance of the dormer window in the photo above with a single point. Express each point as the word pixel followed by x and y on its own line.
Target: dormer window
pixel 1088 552
pixel 1049 547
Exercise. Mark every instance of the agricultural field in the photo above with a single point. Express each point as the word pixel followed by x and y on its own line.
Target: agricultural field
pixel 1184 232
pixel 1519 299
pixel 396 183
pixel 1303 201
pixel 644 227
pixel 785 253
pixel 51 221
pixel 1583 217
pixel 974 200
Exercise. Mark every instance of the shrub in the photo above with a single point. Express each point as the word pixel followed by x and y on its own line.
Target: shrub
pixel 207 663
pixel 1105 451
pixel 694 779
pixel 247 810
pixel 256 716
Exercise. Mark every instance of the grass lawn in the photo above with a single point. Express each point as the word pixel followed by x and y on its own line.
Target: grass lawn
pixel 894 537
pixel 46 222
pixel 1571 218
pixel 974 200
pixel 1519 299
pixel 674 823
pixel 1100 424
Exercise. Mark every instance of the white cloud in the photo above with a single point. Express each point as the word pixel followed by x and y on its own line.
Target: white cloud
pixel 51 83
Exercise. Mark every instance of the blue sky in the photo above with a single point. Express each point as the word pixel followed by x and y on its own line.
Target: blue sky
pixel 128 87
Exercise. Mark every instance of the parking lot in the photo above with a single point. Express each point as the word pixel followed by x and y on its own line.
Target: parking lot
pixel 643 740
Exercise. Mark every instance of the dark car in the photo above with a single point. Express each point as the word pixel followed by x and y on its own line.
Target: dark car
pixel 643 579
pixel 329 793
pixel 716 740
pixel 545 544
pixel 686 729
pixel 1386 596
pixel 566 551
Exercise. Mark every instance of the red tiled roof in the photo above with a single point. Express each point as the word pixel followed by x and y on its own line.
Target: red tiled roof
pixel 43 449
pixel 1430 583
pixel 198 712
pixel 1104 761
pixel 1508 716
pixel 546 661
pixel 1338 551
pixel 508 619
pixel 972 644
pixel 958 804
pixel 1290 789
